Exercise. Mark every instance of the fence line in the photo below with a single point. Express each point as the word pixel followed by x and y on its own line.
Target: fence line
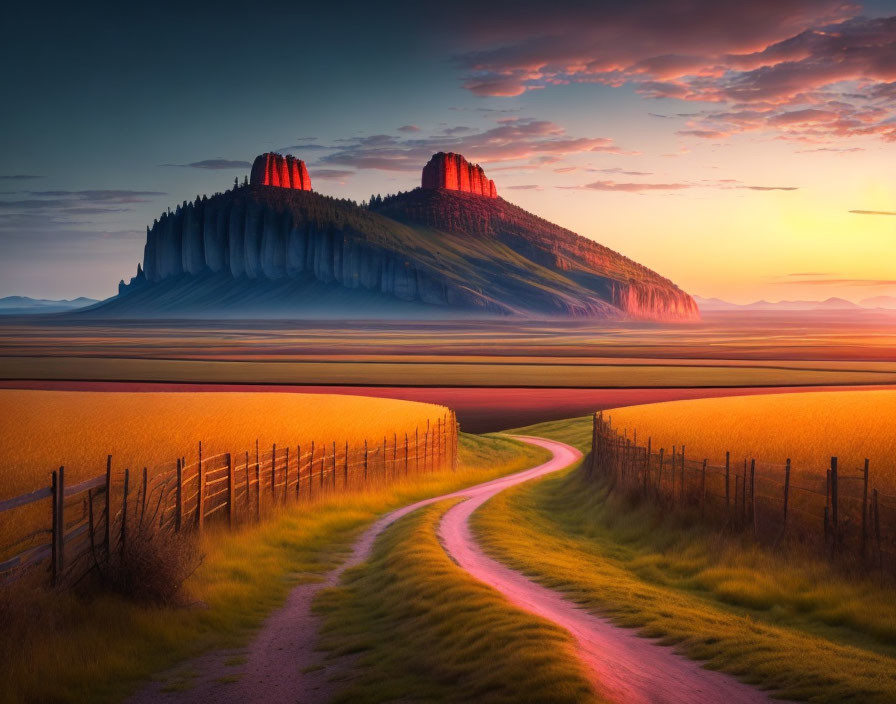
pixel 840 512
pixel 96 519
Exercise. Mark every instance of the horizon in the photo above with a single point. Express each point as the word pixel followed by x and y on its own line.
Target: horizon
pixel 739 155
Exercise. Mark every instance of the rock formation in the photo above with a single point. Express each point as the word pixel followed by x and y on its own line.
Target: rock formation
pixel 258 249
pixel 453 172
pixel 272 169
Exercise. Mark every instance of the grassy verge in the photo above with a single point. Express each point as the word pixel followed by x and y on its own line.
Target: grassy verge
pixel 94 648
pixel 418 628
pixel 786 622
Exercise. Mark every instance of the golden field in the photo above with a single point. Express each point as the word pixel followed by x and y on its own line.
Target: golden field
pixel 41 430
pixel 807 428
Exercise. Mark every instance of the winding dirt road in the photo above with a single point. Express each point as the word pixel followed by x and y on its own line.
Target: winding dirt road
pixel 281 665
pixel 625 667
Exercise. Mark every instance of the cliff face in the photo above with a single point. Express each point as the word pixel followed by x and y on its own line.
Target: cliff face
pixel 259 249
pixel 272 169
pixel 631 288
pixel 453 172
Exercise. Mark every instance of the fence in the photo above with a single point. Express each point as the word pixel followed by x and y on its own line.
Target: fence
pixel 838 510
pixel 96 519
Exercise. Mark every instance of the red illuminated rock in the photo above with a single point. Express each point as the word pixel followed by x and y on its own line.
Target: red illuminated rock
pixel 453 172
pixel 272 169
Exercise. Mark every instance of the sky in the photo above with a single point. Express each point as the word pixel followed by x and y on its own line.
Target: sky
pixel 745 150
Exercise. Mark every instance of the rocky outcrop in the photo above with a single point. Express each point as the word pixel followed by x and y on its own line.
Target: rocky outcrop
pixel 454 173
pixel 287 251
pixel 272 169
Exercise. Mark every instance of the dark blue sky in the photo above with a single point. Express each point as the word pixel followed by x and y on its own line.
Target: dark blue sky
pixel 113 113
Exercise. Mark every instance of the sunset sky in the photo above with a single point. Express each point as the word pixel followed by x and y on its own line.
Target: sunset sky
pixel 744 150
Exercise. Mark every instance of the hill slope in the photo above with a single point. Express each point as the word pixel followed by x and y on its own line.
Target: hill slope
pixel 264 251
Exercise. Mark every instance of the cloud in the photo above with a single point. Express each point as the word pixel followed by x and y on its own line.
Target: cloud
pixel 331 173
pixel 101 196
pixel 770 188
pixel 623 172
pixel 525 187
pixel 19 177
pixel 801 69
pixel 636 187
pixel 872 212
pixel 304 147
pixel 631 187
pixel 841 282
pixel 843 150
pixel 811 273
pixel 511 139
pixel 214 164
pixel 409 128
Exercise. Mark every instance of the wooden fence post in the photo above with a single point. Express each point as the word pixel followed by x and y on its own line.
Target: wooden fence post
pixel 56 562
pixel 311 473
pixel 394 454
pixel 345 469
pixel 124 513
pixel 659 476
pixel 230 501
pixel 179 496
pixel 273 473
pixel 426 445
pixel 865 509
pixel 417 450
pixel 405 454
pixel 257 485
pixel 107 533
pixel 200 495
pixel 786 494
pixel 365 462
pixel 285 474
pixel 334 465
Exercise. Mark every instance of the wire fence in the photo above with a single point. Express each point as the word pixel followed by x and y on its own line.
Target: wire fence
pixel 838 510
pixel 85 525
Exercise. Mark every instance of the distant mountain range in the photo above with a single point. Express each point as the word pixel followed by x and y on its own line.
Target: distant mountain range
pixel 23 305
pixel 707 305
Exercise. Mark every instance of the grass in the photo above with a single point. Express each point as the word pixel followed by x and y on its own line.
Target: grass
pixel 808 428
pixel 79 428
pixel 94 648
pixel 786 622
pixel 415 627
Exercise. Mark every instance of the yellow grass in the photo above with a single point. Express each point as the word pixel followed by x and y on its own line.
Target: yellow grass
pixel 41 430
pixel 70 646
pixel 807 428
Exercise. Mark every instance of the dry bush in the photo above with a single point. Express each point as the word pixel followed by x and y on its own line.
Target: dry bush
pixel 154 566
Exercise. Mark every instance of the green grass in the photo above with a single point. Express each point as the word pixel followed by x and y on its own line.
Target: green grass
pixel 62 646
pixel 415 627
pixel 783 621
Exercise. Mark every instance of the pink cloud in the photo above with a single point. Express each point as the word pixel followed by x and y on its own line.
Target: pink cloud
pixel 807 71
